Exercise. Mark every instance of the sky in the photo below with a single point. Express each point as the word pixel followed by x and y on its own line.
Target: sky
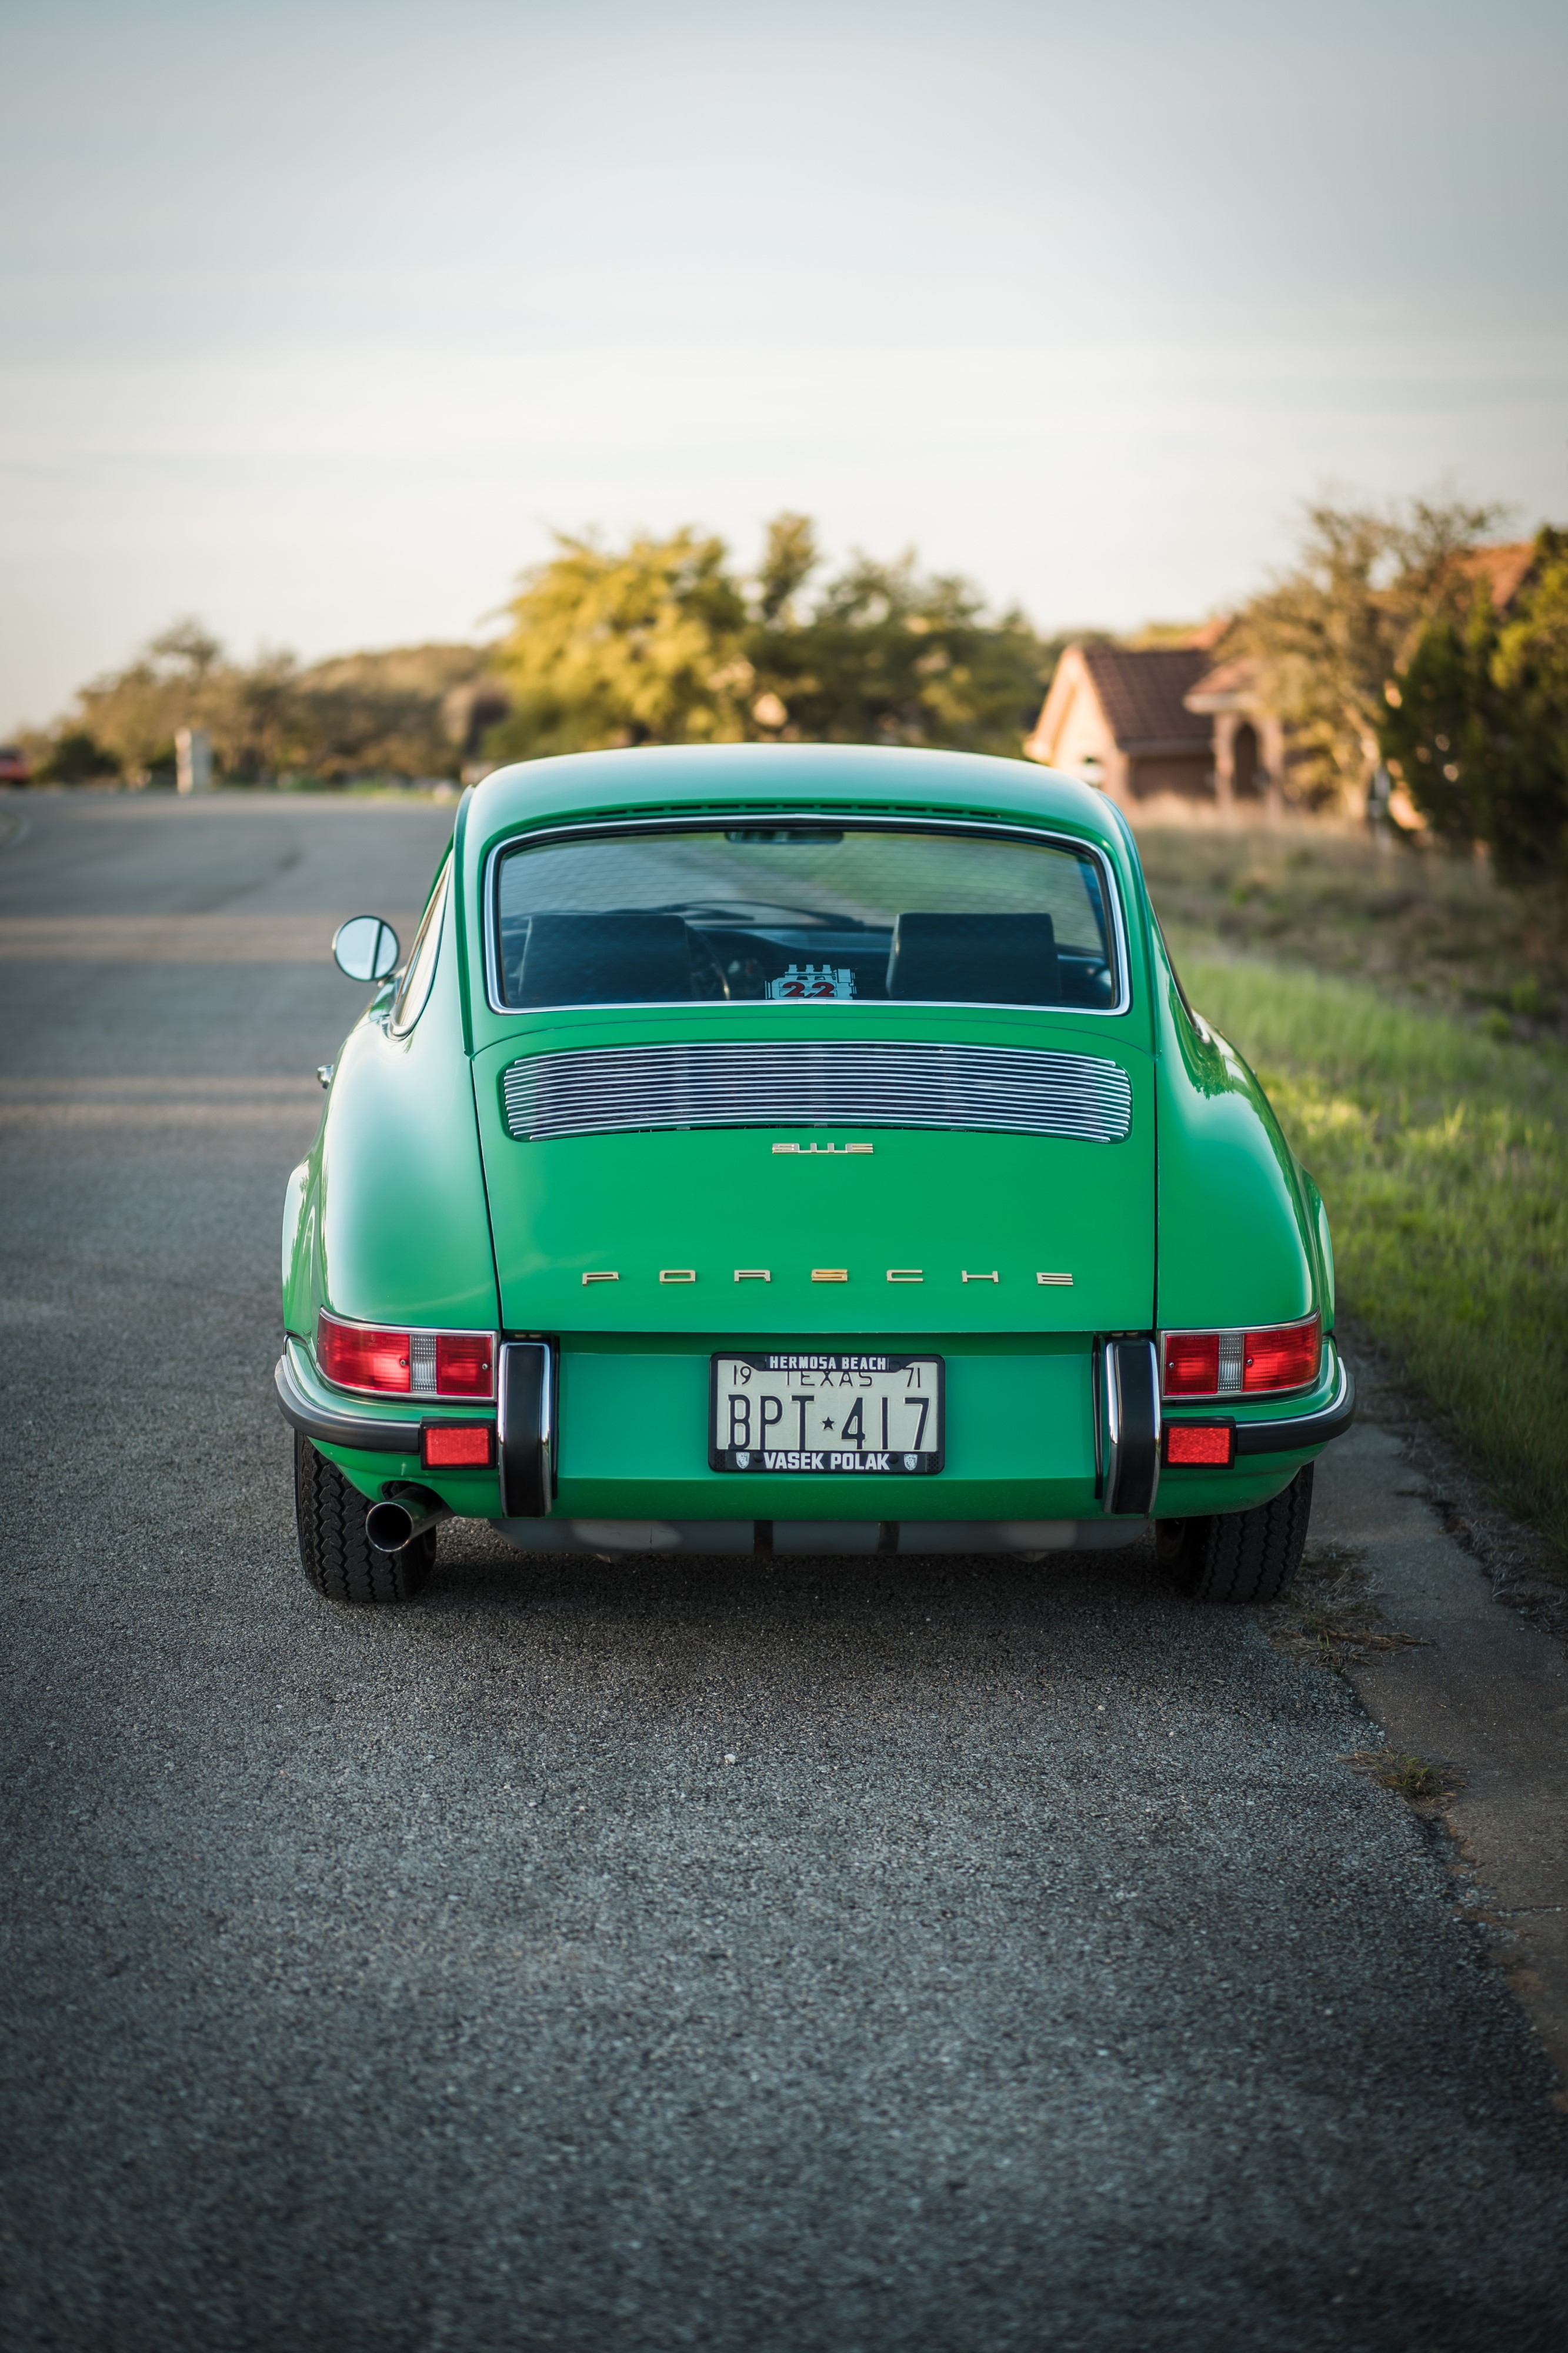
pixel 318 319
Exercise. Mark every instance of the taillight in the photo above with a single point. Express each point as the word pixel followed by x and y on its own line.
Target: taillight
pixel 465 1364
pixel 405 1364
pixel 1236 1364
pixel 1285 1357
pixel 358 1356
pixel 1192 1364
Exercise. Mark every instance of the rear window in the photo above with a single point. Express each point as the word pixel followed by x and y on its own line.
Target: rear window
pixel 803 912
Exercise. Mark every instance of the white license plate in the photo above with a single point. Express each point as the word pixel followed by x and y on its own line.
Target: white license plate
pixel 825 1411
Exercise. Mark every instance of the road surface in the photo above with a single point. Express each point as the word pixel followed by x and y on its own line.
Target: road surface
pixel 852 1956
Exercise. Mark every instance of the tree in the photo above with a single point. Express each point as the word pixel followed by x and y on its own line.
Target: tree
pixel 790 556
pixel 664 643
pixel 75 757
pixel 370 713
pixel 646 645
pixel 1329 634
pixel 888 657
pixel 1528 829
pixel 134 712
pixel 1438 729
pixel 1476 722
pixel 660 641
pixel 259 721
pixel 381 713
pixel 187 647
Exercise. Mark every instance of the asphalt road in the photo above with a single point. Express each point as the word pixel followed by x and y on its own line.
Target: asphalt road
pixel 790 1955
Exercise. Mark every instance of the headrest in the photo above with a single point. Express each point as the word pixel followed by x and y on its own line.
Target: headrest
pixel 603 959
pixel 975 959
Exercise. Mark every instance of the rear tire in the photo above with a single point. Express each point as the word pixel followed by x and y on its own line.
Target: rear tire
pixel 337 1556
pixel 1239 1556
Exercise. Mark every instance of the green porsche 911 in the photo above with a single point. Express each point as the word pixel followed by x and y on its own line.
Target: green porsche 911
pixel 798 1148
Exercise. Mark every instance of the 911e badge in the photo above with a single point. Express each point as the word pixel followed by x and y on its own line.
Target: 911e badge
pixel 830 1412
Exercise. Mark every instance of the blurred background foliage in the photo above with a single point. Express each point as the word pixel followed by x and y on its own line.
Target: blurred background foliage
pixel 656 641
pixel 411 713
pixel 1475 722
pixel 1383 646
pixel 664 641
pixel 1326 634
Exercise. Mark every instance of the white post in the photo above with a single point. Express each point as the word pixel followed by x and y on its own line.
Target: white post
pixel 193 760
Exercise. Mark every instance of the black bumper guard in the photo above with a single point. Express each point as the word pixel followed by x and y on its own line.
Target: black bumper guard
pixel 1299 1430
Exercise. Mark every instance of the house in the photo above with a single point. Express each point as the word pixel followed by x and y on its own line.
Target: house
pixel 1143 720
pixel 1118 717
pixel 1506 569
pixel 1248 738
pixel 1250 752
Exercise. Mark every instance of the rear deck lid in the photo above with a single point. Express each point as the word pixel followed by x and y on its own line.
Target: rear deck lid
pixel 707 1171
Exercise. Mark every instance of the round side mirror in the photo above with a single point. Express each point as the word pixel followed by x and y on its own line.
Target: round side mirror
pixel 365 949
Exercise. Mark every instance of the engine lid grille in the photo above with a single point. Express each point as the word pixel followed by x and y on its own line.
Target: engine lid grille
pixel 998 1090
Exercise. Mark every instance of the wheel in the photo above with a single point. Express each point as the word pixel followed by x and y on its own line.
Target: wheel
pixel 1239 1556
pixel 335 1553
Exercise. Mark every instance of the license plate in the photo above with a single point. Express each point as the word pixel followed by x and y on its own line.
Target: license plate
pixel 777 1411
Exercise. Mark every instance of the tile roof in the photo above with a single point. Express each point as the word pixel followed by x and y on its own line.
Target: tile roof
pixel 1503 568
pixel 1141 693
pixel 1238 676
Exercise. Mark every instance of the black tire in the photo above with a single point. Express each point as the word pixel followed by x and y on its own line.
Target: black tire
pixel 337 1556
pixel 1239 1556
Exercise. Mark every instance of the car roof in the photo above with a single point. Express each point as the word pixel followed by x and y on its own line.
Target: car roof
pixel 674 779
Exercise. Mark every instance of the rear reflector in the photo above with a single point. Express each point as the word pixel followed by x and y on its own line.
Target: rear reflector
pixel 1212 1442
pixel 456 1446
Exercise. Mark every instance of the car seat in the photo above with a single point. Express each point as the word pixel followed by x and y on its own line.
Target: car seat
pixel 975 959
pixel 605 959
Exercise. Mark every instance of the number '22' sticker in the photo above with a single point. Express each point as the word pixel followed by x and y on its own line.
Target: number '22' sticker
pixel 814 980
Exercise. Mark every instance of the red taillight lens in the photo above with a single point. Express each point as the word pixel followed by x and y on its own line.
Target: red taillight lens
pixel 1192 1364
pixel 1229 1364
pixel 1285 1358
pixel 418 1364
pixel 1199 1442
pixel 464 1365
pixel 451 1446
pixel 359 1356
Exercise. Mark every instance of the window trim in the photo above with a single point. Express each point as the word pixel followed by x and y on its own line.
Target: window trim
pixel 718 821
pixel 435 907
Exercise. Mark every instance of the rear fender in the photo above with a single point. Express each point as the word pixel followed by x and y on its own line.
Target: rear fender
pixel 390 1219
pixel 1239 1241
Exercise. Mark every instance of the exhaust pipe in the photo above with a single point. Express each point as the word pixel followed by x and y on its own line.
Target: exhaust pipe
pixel 391 1524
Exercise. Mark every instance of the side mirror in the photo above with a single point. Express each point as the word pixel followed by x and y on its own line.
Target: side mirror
pixel 365 949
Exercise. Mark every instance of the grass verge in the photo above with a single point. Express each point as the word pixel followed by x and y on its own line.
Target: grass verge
pixel 1442 1155
pixel 1437 931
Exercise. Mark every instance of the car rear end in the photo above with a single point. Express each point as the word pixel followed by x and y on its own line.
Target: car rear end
pixel 803 1150
pixel 821 1148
